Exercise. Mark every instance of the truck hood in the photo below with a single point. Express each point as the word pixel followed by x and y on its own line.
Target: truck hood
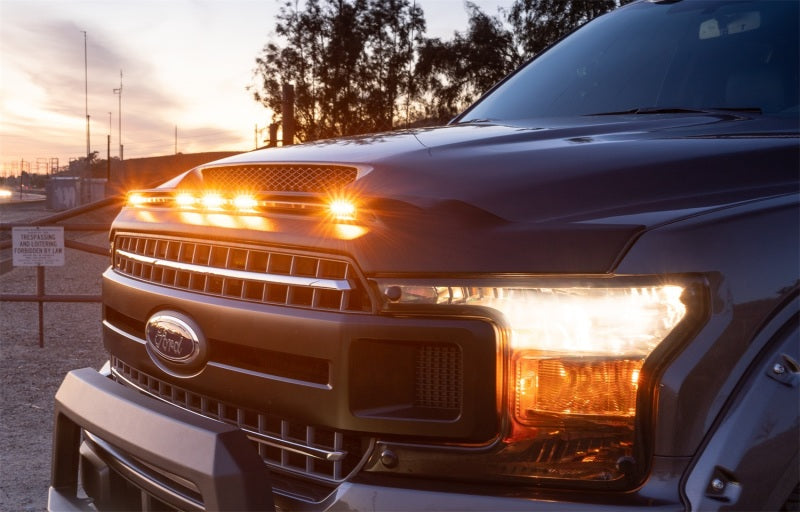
pixel 556 195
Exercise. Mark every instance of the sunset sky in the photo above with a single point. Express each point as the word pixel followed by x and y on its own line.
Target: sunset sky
pixel 185 63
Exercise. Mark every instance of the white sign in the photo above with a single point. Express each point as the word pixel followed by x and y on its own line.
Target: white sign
pixel 38 246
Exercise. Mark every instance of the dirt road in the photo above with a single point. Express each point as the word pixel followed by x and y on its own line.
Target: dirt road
pixel 29 375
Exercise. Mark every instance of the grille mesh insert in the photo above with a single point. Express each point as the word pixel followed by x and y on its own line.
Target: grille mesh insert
pixel 438 377
pixel 249 273
pixel 279 178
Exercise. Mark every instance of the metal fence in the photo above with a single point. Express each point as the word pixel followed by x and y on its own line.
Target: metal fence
pixel 62 220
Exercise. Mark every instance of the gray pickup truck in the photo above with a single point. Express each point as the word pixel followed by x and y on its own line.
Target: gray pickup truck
pixel 580 294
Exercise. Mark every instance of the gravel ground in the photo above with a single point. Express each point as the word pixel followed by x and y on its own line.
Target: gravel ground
pixel 29 375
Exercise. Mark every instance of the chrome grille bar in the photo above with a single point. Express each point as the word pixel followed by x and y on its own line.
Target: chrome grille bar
pixel 290 280
pixel 283 277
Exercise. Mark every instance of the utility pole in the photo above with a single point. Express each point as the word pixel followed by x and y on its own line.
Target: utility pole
pixel 88 174
pixel 273 135
pixel 108 152
pixel 176 139
pixel 119 114
pixel 86 90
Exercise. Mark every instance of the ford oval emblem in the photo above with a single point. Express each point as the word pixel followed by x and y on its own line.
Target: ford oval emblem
pixel 175 339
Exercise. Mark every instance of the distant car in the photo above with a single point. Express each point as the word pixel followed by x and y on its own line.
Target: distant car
pixel 581 294
pixel 5 193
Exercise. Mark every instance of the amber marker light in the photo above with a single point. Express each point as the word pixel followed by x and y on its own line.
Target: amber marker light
pixel 185 200
pixel 342 209
pixel 136 199
pixel 245 202
pixel 212 201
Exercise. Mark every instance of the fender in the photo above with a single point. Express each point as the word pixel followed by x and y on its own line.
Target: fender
pixel 754 442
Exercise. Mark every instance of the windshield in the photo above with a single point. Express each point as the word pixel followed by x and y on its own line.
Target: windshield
pixel 649 58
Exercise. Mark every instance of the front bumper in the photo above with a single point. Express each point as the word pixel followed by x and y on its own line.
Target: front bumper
pixel 173 456
pixel 115 448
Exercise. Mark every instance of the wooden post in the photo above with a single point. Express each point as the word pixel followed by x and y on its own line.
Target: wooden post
pixel 287 109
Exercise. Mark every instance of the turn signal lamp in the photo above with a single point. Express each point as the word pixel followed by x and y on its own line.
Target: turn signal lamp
pixel 574 355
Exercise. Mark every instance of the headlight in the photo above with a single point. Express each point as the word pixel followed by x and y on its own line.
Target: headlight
pixel 574 352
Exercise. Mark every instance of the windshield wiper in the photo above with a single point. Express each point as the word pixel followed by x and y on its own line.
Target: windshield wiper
pixel 474 121
pixel 678 110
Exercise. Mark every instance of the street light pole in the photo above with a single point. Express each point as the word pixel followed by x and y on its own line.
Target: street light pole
pixel 119 114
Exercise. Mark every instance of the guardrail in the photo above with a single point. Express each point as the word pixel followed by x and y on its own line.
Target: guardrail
pixel 41 296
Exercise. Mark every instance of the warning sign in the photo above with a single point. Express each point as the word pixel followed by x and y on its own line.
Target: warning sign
pixel 38 246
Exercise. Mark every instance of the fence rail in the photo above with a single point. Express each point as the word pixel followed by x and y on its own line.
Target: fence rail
pixel 41 297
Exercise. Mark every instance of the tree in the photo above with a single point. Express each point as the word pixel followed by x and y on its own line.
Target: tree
pixel 362 66
pixel 344 39
pixel 299 62
pixel 348 60
pixel 394 28
pixel 455 73
pixel 536 24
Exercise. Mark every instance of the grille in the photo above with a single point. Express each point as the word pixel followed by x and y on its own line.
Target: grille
pixel 279 178
pixel 249 273
pixel 315 453
pixel 438 377
pixel 427 379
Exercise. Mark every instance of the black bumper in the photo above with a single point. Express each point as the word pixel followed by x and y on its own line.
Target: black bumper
pixel 118 437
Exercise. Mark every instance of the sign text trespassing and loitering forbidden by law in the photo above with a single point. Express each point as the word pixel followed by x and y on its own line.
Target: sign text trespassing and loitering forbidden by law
pixel 35 246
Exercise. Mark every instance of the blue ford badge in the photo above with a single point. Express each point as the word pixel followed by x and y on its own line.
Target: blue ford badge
pixel 175 339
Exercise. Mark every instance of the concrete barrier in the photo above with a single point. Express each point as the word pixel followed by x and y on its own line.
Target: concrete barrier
pixel 63 193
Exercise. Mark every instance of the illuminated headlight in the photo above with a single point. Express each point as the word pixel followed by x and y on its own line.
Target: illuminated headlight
pixel 573 359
